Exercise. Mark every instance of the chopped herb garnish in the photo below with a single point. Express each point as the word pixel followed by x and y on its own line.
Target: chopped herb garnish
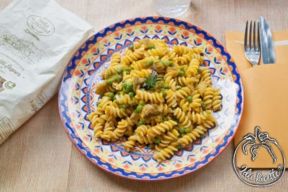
pixel 150 81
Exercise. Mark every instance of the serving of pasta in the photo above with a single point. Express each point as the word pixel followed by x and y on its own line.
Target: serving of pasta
pixel 156 95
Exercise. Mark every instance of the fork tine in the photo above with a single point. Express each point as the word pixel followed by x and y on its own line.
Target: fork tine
pixel 245 36
pixel 250 35
pixel 252 42
pixel 258 36
pixel 254 35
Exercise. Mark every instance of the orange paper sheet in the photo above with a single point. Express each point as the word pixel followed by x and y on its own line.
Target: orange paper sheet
pixel 265 96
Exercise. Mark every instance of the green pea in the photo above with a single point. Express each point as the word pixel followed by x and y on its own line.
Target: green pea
pixel 188 129
pixel 189 99
pixel 114 78
pixel 139 108
pixel 110 95
pixel 157 140
pixel 181 72
pixel 110 81
pixel 167 63
pixel 164 93
pixel 123 106
pixel 128 69
pixel 131 48
pixel 170 64
pixel 149 62
pixel 119 69
pixel 141 122
pixel 164 119
pixel 128 87
pixel 179 147
pixel 131 94
pixel 151 46
pixel 166 86
pixel 182 130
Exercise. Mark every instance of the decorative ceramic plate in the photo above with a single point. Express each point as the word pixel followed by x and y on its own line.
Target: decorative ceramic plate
pixel 77 98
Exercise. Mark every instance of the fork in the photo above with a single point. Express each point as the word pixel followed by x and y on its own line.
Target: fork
pixel 252 42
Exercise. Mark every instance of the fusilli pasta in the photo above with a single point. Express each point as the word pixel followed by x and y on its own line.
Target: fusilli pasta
pixel 156 95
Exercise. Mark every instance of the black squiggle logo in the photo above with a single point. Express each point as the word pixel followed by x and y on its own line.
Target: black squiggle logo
pixel 249 147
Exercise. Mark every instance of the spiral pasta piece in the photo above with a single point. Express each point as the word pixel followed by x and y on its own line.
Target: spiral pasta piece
pixel 198 118
pixel 208 98
pixel 144 73
pixel 160 129
pixel 169 137
pixel 206 75
pixel 157 52
pixel 109 126
pixel 141 131
pixel 132 56
pixel 165 153
pixel 115 111
pixel 193 67
pixel 181 50
pixel 149 97
pixel 217 101
pixel 124 99
pixel 144 63
pixel 118 132
pixel 185 81
pixel 182 118
pixel 183 92
pixel 98 124
pixel 183 60
pixel 192 136
pixel 131 142
pixel 115 59
pixel 171 98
